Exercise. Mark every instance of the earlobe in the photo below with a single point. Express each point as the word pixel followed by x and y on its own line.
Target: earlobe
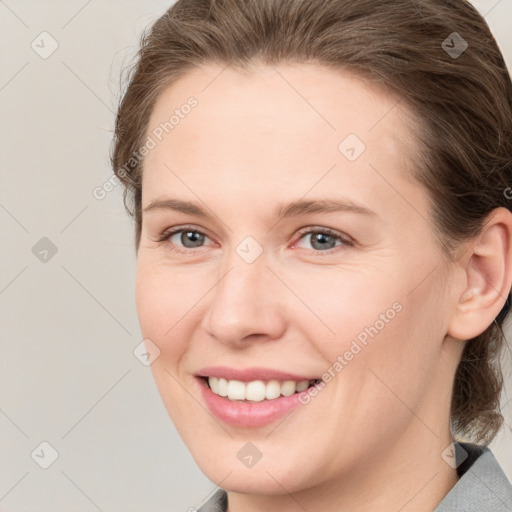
pixel 487 270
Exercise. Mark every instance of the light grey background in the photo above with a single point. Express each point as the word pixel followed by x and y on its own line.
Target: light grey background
pixel 69 326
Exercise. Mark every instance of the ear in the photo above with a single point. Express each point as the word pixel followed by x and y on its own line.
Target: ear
pixel 487 272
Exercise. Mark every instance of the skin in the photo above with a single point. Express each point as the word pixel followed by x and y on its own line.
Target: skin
pixel 372 439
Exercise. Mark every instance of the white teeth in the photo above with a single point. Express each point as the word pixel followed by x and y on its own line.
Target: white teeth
pixel 288 387
pixel 256 390
pixel 214 384
pixel 273 390
pixel 302 385
pixel 222 387
pixel 236 390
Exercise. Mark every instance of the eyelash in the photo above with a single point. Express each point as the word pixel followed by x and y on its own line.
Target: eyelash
pixel 166 235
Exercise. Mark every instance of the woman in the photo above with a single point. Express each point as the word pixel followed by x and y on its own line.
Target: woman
pixel 324 247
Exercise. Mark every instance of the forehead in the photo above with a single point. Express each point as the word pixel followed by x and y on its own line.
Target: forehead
pixel 295 96
pixel 279 126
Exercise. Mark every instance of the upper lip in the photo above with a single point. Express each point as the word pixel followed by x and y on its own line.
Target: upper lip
pixel 250 374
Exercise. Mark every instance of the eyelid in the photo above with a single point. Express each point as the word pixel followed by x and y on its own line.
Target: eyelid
pixel 329 231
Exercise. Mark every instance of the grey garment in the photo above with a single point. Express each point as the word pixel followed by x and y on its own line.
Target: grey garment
pixel 482 485
pixel 217 503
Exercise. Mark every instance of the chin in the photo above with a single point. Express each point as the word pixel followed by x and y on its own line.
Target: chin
pixel 248 482
pixel 269 477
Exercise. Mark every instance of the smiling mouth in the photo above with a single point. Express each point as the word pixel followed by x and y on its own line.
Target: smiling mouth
pixel 257 390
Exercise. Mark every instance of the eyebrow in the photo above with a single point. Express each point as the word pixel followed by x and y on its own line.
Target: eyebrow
pixel 284 210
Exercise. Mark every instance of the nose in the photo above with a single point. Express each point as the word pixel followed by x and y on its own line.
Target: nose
pixel 245 305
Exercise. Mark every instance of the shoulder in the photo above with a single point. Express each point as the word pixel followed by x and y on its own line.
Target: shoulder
pixel 482 486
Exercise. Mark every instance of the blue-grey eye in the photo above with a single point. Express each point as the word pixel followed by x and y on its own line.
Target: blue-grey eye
pixel 189 238
pixel 322 241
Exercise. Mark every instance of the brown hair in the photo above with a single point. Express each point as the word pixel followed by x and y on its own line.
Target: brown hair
pixel 463 102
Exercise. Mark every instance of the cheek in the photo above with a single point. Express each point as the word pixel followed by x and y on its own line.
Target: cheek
pixel 163 300
pixel 336 308
pixel 401 352
pixel 376 321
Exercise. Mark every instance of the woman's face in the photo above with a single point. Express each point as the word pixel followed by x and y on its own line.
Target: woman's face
pixel 310 252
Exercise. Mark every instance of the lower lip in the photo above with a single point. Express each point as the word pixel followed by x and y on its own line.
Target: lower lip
pixel 247 414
